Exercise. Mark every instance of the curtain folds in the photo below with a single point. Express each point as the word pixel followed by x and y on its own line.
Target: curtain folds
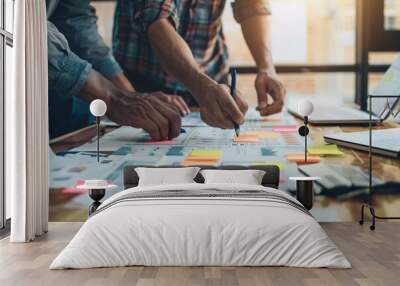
pixel 27 124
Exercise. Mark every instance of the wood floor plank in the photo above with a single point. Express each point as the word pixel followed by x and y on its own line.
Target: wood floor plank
pixel 375 257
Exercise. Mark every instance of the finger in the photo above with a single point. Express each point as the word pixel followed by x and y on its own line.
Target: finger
pixel 262 97
pixel 232 111
pixel 162 96
pixel 183 103
pixel 174 118
pixel 277 93
pixel 154 113
pixel 225 122
pixel 229 106
pixel 149 126
pixel 273 108
pixel 243 106
pixel 216 119
pixel 171 114
pixel 178 104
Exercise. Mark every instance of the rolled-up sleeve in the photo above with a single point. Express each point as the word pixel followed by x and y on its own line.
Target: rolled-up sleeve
pixel 67 72
pixel 149 11
pixel 77 21
pixel 243 9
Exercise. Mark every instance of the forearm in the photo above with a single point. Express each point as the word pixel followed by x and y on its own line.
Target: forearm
pixel 176 57
pixel 120 80
pixel 256 31
pixel 98 87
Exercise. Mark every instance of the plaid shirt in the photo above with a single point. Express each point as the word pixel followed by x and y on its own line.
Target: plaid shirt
pixel 198 22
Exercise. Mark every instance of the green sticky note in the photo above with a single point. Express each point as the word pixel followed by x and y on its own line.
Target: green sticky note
pixel 267 151
pixel 175 151
pixel 207 153
pixel 325 150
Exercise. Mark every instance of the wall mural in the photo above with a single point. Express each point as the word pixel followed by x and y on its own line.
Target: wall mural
pixel 128 137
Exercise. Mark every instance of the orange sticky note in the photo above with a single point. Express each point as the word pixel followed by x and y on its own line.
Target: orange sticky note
pixel 199 162
pixel 202 158
pixel 243 138
pixel 299 158
pixel 260 134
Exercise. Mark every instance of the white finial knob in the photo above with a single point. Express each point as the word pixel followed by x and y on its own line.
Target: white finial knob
pixel 305 108
pixel 98 107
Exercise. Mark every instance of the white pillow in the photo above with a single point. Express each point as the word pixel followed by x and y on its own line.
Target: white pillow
pixel 166 176
pixel 247 177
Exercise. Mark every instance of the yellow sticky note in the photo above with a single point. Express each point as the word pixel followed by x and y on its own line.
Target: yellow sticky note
pixel 325 150
pixel 207 153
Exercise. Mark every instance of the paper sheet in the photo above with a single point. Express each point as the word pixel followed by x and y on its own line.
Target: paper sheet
pixel 199 145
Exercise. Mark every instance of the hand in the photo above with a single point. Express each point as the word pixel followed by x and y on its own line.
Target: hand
pixel 266 84
pixel 159 118
pixel 175 100
pixel 217 106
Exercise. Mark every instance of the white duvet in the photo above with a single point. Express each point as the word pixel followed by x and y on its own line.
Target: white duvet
pixel 200 231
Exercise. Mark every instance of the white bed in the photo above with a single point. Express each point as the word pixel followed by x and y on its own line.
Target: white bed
pixel 239 229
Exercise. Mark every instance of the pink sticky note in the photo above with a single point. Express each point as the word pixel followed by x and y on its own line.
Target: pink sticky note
pixel 284 128
pixel 165 142
pixel 73 191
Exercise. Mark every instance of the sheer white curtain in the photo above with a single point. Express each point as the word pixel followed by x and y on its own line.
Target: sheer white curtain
pixel 27 124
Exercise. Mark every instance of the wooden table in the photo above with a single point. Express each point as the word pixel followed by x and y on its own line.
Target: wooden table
pixel 325 208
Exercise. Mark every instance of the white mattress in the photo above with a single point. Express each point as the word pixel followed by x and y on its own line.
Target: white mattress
pixel 200 232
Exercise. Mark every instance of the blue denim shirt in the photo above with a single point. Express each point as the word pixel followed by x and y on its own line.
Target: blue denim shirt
pixel 74 48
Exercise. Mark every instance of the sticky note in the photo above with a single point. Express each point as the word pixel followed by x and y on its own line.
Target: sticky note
pixel 199 162
pixel 165 142
pixel 325 150
pixel 207 153
pixel 299 158
pixel 260 134
pixel 243 138
pixel 175 151
pixel 202 158
pixel 285 128
pixel 267 151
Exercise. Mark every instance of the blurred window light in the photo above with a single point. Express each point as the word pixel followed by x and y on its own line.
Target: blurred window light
pixel 392 15
pixel 303 32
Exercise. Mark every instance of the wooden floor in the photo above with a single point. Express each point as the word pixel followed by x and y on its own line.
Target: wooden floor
pixel 375 257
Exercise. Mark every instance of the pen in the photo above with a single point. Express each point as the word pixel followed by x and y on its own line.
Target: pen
pixel 233 93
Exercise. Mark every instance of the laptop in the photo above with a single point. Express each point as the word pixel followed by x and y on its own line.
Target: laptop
pixel 385 142
pixel 341 115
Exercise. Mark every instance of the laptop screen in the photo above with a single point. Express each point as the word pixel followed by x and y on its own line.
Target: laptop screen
pixel 388 85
